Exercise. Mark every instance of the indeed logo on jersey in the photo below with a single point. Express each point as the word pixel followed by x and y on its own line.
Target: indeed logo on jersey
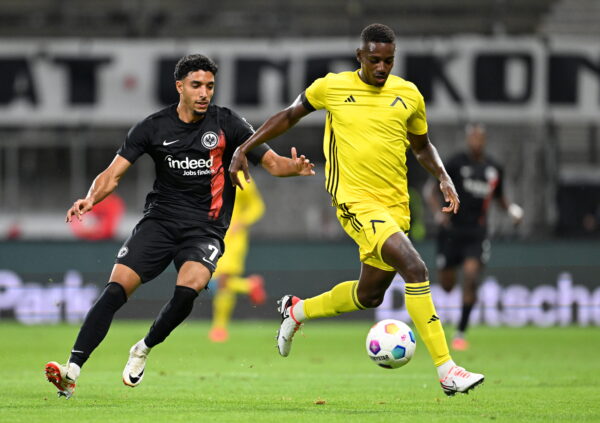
pixel 191 167
pixel 476 186
pixel 478 189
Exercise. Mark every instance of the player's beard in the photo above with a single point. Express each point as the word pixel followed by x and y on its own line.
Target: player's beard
pixel 199 114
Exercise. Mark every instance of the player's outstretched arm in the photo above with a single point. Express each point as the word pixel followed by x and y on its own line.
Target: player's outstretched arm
pixel 105 183
pixel 273 127
pixel 429 158
pixel 282 166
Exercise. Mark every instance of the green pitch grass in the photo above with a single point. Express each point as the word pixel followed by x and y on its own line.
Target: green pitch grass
pixel 532 375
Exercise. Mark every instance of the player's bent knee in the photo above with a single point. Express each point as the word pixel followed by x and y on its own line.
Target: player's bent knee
pixel 126 277
pixel 116 291
pixel 193 275
pixel 447 287
pixel 415 271
pixel 371 300
pixel 469 296
pixel 196 285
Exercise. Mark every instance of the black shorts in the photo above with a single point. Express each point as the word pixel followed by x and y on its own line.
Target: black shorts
pixel 154 243
pixel 456 244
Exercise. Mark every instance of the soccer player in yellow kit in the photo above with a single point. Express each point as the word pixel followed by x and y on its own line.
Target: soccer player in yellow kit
pixel 248 209
pixel 372 119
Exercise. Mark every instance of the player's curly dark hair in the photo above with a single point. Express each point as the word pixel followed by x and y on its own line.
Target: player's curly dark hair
pixel 193 63
pixel 377 33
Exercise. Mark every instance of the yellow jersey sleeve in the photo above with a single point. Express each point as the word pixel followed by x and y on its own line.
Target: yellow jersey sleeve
pixel 417 123
pixel 316 93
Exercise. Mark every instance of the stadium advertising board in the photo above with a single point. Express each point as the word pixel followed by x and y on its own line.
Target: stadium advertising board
pixel 31 302
pixel 546 284
pixel 562 303
pixel 83 81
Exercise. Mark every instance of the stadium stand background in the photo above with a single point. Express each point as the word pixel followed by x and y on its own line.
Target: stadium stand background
pixel 43 168
pixel 552 167
pixel 267 18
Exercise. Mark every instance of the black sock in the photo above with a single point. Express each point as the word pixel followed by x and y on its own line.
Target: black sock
pixel 464 318
pixel 171 315
pixel 97 321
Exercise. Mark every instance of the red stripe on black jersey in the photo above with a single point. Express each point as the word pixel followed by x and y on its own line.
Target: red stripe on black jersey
pixel 487 200
pixel 217 182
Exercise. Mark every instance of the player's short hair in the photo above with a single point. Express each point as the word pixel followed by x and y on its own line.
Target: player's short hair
pixel 193 63
pixel 377 33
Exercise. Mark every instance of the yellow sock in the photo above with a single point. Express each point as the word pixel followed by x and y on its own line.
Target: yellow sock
pixel 422 312
pixel 238 284
pixel 223 304
pixel 341 299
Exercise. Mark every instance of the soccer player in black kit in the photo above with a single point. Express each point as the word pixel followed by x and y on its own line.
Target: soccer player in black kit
pixel 185 217
pixel 462 237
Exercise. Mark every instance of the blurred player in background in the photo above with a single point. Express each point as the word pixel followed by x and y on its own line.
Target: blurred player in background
pixel 185 218
pixel 462 237
pixel 372 119
pixel 249 208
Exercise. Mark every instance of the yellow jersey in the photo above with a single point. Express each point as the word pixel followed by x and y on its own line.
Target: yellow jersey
pixel 249 206
pixel 247 210
pixel 365 138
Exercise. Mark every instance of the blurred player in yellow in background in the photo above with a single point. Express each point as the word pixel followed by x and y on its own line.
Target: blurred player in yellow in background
pixel 249 208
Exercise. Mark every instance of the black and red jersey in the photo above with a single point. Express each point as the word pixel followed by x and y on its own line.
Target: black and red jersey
pixel 476 182
pixel 191 162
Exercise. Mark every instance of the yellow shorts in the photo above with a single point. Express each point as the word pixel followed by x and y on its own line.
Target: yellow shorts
pixel 370 224
pixel 233 260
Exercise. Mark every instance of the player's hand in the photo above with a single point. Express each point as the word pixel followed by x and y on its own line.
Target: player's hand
pixel 303 166
pixel 79 208
pixel 238 162
pixel 516 213
pixel 450 196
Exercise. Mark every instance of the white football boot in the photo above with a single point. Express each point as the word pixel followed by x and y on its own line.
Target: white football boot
pixel 63 377
pixel 133 373
pixel 288 326
pixel 461 381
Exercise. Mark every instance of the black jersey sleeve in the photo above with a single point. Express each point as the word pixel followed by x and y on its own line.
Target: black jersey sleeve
pixel 239 130
pixel 136 142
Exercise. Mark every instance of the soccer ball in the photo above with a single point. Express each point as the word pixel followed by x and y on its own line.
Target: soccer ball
pixel 391 343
